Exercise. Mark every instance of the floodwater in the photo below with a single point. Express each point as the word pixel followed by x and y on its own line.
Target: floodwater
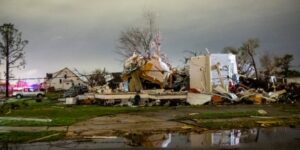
pixel 255 138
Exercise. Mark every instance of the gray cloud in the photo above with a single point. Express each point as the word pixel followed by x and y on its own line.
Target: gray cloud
pixel 83 34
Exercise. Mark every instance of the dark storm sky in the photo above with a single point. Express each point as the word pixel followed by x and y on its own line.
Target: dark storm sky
pixel 83 33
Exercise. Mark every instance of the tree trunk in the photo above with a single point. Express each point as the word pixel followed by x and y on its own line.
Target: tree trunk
pixel 7 66
pixel 254 65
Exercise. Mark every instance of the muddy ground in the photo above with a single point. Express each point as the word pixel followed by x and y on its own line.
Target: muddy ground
pixel 167 120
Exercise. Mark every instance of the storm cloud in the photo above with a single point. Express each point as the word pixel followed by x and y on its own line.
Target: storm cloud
pixel 83 34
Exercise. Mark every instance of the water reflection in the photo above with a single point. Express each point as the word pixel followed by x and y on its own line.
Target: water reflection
pixel 149 140
pixel 223 137
pixel 227 137
pixel 261 138
pixel 288 138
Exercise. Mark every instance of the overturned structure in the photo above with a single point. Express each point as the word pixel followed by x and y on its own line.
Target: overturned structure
pixel 149 70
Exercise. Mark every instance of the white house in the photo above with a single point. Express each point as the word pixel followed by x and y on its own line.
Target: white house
pixel 63 79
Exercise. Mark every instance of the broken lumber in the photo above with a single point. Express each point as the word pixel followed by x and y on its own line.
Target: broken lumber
pixel 25 119
pixel 43 138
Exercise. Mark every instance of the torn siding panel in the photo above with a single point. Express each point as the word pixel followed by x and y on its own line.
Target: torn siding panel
pixel 228 68
pixel 200 73
pixel 204 75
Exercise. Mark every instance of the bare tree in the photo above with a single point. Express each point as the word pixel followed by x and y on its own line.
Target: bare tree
pixel 11 49
pixel 250 47
pixel 96 78
pixel 232 50
pixel 138 39
pixel 284 63
pixel 267 63
pixel 243 60
pixel 191 53
pixel 245 56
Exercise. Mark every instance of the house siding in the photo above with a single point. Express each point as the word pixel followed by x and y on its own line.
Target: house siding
pixel 64 79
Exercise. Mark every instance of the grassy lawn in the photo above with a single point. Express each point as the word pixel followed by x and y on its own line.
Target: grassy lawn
pixel 209 117
pixel 223 115
pixel 17 137
pixel 292 109
pixel 247 123
pixel 61 115
pixel 244 116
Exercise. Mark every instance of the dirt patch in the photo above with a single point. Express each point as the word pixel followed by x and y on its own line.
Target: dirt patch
pixel 211 117
pixel 121 124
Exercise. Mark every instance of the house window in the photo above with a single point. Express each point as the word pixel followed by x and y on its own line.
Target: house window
pixel 65 76
pixel 60 81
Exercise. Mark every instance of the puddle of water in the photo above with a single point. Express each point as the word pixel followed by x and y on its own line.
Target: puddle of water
pixel 256 138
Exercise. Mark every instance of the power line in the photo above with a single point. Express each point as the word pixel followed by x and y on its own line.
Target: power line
pixel 45 78
pixel 82 75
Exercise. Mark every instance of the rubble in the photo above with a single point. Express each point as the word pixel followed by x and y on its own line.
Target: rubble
pixel 148 70
pixel 211 74
pixel 207 79
pixel 198 99
pixel 139 71
pixel 210 78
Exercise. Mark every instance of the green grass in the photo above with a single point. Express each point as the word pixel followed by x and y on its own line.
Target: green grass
pixel 228 124
pixel 63 115
pixel 292 109
pixel 221 115
pixel 247 123
pixel 18 137
pixel 54 95
pixel 226 115
pixel 240 116
pixel 22 123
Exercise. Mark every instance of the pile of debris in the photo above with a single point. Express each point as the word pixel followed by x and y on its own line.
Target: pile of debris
pixel 214 79
pixel 267 91
pixel 152 70
pixel 210 78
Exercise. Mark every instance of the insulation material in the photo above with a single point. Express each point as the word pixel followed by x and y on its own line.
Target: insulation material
pixel 198 99
pixel 135 82
pixel 70 101
pixel 152 71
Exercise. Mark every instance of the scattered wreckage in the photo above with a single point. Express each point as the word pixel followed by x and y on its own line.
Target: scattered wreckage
pixel 148 79
pixel 211 79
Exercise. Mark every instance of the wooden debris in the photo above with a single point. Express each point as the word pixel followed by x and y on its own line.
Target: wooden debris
pixel 267 123
pixel 262 112
pixel 43 138
pixel 25 119
pixel 100 137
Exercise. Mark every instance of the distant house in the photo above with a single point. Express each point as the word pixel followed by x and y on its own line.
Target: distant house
pixel 62 80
